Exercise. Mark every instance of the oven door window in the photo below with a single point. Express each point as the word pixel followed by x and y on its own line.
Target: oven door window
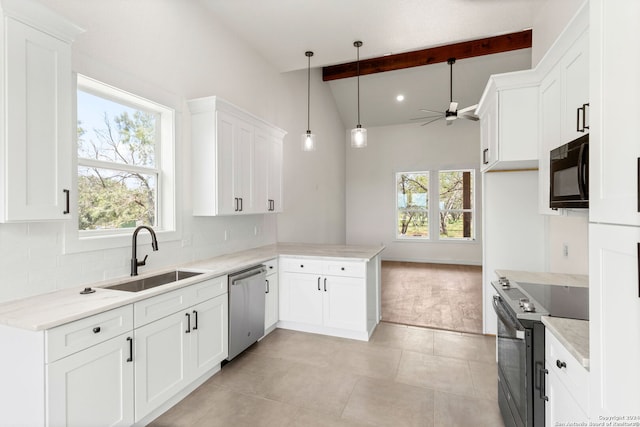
pixel 512 359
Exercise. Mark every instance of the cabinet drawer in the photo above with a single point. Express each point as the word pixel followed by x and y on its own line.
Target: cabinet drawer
pixel 84 333
pixel 157 307
pixel 209 289
pixel 574 376
pixel 272 266
pixel 301 265
pixel 345 268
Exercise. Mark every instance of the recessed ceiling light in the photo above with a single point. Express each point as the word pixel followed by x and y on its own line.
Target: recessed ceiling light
pixel 400 98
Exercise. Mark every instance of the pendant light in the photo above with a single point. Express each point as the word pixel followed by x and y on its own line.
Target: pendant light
pixel 308 139
pixel 358 134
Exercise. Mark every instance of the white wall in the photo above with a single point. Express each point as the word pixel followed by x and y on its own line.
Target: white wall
pixel 551 17
pixel 171 51
pixel 371 186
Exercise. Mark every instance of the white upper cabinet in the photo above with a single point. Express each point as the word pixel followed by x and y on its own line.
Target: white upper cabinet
pixel 235 167
pixel 564 98
pixel 614 169
pixel 36 127
pixel 508 112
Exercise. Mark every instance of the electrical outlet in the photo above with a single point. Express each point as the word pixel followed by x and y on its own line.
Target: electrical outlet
pixel 565 250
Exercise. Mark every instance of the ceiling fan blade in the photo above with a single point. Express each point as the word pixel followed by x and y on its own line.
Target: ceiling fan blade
pixel 469 117
pixel 431 121
pixel 431 111
pixel 453 107
pixel 469 108
pixel 427 117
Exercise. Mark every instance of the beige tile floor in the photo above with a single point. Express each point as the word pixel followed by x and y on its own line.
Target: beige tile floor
pixel 443 296
pixel 404 376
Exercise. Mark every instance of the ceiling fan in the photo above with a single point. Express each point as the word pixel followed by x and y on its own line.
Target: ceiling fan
pixel 452 113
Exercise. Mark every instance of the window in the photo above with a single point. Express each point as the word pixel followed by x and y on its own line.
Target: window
pixel 124 160
pixel 455 204
pixel 412 204
pixel 452 218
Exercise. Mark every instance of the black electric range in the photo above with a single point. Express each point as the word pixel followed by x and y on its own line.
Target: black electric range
pixel 520 341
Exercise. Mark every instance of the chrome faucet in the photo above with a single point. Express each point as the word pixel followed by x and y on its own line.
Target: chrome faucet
pixel 134 243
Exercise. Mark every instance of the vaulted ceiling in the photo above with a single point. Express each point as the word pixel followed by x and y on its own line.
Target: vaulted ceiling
pixel 282 30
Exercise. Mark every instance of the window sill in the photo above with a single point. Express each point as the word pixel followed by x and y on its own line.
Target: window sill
pixel 439 241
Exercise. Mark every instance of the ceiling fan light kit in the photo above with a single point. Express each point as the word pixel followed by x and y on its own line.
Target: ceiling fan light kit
pixel 452 113
pixel 358 134
pixel 308 139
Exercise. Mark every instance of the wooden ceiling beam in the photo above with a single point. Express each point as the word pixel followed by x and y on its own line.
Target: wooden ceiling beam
pixel 399 61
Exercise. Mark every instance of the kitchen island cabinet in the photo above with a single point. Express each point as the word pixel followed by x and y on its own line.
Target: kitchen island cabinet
pixel 331 297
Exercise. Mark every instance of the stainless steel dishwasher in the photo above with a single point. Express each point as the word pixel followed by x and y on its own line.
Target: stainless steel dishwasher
pixel 246 308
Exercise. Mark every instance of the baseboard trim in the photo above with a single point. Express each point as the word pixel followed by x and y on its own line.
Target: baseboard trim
pixel 435 261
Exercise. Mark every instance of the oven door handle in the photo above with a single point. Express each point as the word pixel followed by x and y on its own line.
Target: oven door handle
pixel 506 319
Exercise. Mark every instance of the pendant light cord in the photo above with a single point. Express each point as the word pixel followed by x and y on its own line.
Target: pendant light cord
pixel 357 45
pixel 308 90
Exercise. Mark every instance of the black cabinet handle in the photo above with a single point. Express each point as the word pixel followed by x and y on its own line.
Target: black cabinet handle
pixel 241 207
pixel 96 329
pixel 188 331
pixel 578 120
pixel 543 386
pixel 130 359
pixel 67 210
pixel 342 268
pixel 318 282
pixel 485 156
pixel 267 291
pixel 325 284
pixel 236 204
pixel 584 116
pixel 301 265
pixel 560 364
pixel 195 320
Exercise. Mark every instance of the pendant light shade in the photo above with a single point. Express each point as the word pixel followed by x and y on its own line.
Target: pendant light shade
pixel 308 139
pixel 358 134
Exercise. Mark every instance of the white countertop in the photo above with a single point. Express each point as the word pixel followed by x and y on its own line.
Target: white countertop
pixel 542 278
pixel 573 335
pixel 57 308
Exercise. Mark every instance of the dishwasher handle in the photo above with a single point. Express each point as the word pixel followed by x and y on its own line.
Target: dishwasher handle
pixel 247 275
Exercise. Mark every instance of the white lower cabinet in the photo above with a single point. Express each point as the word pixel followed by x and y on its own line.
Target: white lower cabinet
pixel 567 386
pixel 330 297
pixel 271 310
pixel 173 351
pixel 93 387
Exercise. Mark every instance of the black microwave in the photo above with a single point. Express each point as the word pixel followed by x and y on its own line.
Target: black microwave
pixel 569 173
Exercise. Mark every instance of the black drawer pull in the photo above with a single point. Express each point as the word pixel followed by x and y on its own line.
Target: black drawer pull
pixel 96 329
pixel 66 210
pixel 130 359
pixel 318 282
pixel 188 331
pixel 560 364
pixel 301 265
pixel 195 320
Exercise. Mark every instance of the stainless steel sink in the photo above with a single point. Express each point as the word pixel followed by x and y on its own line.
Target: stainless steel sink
pixel 137 285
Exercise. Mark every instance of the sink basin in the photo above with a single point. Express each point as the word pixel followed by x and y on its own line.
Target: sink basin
pixel 137 285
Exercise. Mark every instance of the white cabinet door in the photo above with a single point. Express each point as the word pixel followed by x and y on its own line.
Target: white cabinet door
pixel 550 134
pixel 209 334
pixel 274 175
pixel 489 133
pixel 301 298
pixel 93 387
pixel 38 124
pixel 271 316
pixel 243 163
pixel 161 355
pixel 226 127
pixel 614 341
pixel 575 84
pixel 561 408
pixel 344 303
pixel 614 150
pixel 261 172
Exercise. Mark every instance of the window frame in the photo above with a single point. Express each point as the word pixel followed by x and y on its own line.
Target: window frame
pixel 167 214
pixel 434 208
pixel 472 210
pixel 399 236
